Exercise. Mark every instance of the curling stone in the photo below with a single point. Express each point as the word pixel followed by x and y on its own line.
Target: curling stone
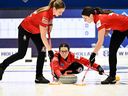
pixel 68 79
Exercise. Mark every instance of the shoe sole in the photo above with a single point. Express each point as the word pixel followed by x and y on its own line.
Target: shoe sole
pixel 109 83
pixel 41 82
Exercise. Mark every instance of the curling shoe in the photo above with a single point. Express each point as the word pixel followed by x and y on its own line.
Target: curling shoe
pixel 41 79
pixel 1 72
pixel 109 80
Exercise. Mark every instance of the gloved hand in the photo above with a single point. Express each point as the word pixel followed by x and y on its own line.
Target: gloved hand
pixel 50 54
pixel 100 70
pixel 92 58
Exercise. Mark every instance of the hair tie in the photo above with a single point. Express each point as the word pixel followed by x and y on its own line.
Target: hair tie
pixel 95 11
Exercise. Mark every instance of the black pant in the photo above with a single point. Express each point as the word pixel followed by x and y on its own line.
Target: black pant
pixel 115 42
pixel 75 67
pixel 23 41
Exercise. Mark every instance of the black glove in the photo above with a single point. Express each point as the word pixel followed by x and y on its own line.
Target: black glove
pixel 92 58
pixel 100 70
pixel 50 54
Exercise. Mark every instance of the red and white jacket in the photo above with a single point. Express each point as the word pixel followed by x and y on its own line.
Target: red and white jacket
pixel 59 64
pixel 111 21
pixel 31 23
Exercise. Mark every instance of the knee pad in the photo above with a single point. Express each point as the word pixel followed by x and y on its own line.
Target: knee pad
pixel 80 69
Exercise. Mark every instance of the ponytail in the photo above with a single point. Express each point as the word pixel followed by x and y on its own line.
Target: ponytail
pixel 97 10
pixel 106 11
pixel 53 3
pixel 42 9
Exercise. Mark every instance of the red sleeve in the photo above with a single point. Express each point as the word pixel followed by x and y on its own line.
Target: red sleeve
pixel 100 25
pixel 85 62
pixel 45 19
pixel 103 26
pixel 55 66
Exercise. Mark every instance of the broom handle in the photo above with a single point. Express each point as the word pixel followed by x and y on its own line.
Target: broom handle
pixel 49 41
pixel 85 74
pixel 49 37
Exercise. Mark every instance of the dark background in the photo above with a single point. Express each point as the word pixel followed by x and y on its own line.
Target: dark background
pixel 15 4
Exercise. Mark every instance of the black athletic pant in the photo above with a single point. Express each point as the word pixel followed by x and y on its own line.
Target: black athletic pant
pixel 115 42
pixel 75 67
pixel 23 41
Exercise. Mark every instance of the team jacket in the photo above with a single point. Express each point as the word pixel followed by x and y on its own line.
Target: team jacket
pixel 31 23
pixel 58 65
pixel 111 21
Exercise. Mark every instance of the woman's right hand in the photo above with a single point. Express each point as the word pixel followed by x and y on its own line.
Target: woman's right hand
pixel 92 58
pixel 50 54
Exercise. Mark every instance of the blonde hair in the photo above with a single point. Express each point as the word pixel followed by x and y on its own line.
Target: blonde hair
pixel 53 3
